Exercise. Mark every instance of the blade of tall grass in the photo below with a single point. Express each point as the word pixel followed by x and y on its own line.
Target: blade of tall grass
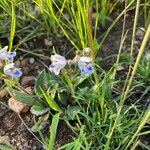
pixel 53 131
pixel 140 127
pixel 134 27
pixel 13 24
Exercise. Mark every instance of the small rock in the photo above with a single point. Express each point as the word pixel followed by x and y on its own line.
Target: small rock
pixel 31 44
pixel 29 90
pixel 26 70
pixel 31 60
pixel 139 34
pixel 18 106
pixel 3 92
pixel 24 62
pixel 34 39
pixel 27 80
pixel 37 67
pixel 28 119
pixel 48 42
pixel 17 63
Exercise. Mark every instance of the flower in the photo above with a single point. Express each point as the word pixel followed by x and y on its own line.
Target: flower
pixel 85 65
pixel 12 71
pixel 4 55
pixel 58 62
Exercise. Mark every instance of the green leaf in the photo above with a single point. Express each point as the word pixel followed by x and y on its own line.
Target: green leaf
pixel 50 101
pixel 42 82
pixel 63 96
pixel 53 131
pixel 45 81
pixel 39 109
pixel 72 111
pixel 79 80
pixel 21 96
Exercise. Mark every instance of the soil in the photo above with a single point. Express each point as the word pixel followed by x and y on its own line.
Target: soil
pixel 11 127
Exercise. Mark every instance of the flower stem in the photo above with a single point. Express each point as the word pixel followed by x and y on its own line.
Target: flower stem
pixel 90 20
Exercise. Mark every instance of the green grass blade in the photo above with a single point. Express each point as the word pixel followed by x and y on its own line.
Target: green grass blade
pixel 50 101
pixel 140 127
pixel 13 24
pixel 53 131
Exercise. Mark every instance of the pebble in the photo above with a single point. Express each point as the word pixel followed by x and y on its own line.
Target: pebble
pixel 31 44
pixel 27 80
pixel 26 70
pixel 18 106
pixel 24 62
pixel 48 42
pixel 140 34
pixel 31 60
pixel 37 67
pixel 17 63
pixel 29 90
pixel 3 92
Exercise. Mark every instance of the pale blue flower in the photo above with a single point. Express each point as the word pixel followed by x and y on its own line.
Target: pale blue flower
pixel 58 62
pixel 12 71
pixel 4 55
pixel 85 65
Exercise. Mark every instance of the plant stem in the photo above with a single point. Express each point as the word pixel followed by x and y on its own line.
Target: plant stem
pixel 91 43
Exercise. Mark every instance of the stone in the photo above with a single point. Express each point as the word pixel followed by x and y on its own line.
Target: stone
pixel 140 34
pixel 18 106
pixel 17 63
pixel 29 90
pixel 31 60
pixel 27 80
pixel 24 62
pixel 3 92
pixel 48 42
pixel 25 70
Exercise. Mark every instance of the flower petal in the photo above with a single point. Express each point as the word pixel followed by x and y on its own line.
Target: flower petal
pixel 83 71
pixel 56 71
pixel 4 50
pixel 58 58
pixel 51 66
pixel 85 59
pixel 3 56
pixel 58 62
pixel 81 65
pixel 12 71
pixel 8 69
pixel 16 73
pixel 90 69
pixel 7 56
pixel 12 54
